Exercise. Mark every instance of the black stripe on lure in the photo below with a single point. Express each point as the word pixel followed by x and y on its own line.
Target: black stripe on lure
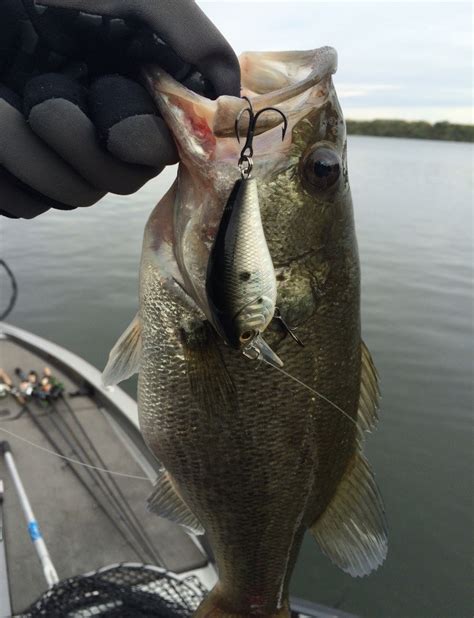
pixel 240 283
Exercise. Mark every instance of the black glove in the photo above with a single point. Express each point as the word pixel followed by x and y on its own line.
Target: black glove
pixel 74 121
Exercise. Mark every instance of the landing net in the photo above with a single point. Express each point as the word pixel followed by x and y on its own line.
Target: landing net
pixel 120 591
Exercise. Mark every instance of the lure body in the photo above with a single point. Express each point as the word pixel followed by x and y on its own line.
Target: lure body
pixel 241 284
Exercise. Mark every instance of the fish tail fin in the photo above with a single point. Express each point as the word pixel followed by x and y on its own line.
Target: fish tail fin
pixel 215 605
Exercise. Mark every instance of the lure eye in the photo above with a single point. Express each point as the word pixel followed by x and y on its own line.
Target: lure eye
pixel 322 168
pixel 246 336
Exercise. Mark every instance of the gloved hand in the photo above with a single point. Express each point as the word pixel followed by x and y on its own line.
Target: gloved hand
pixel 74 121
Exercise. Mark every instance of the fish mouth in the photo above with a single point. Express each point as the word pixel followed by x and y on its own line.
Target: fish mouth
pixel 295 82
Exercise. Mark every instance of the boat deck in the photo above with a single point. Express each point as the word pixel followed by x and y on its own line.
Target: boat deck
pixel 79 535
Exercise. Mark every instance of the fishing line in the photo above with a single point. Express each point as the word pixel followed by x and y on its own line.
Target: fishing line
pixel 74 461
pixel 320 395
pixel 112 490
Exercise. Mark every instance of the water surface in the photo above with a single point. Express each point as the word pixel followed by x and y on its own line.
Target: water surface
pixel 77 276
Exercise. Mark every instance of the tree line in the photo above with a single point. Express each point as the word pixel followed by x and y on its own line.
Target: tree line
pixel 419 129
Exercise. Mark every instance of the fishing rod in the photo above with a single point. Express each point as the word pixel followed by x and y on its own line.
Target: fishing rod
pixel 33 528
pixel 121 498
pixel 83 482
pixel 80 454
pixel 129 520
pixel 5 603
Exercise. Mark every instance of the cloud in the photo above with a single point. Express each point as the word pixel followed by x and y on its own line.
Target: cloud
pixel 391 54
pixel 363 90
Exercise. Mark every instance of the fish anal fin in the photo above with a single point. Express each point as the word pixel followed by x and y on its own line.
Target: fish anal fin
pixel 352 531
pixel 124 358
pixel 166 502
pixel 367 415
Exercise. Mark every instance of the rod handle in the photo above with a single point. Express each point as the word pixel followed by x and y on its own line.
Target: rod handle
pixel 5 447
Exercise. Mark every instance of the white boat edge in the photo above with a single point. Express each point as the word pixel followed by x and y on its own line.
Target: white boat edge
pixel 114 394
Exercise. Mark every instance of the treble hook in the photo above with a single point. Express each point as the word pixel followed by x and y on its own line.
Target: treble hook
pixel 246 153
pixel 277 316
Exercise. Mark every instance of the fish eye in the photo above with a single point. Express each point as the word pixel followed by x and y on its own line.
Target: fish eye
pixel 246 336
pixel 322 168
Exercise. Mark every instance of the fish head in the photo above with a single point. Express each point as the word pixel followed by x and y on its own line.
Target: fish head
pixel 304 196
pixel 300 174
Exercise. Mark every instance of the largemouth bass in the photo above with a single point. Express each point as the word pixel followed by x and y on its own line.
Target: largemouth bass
pixel 250 456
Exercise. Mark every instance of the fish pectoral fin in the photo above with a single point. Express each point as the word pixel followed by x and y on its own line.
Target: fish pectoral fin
pixel 352 531
pixel 165 502
pixel 369 396
pixel 124 358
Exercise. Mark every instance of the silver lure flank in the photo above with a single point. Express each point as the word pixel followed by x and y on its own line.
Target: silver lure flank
pixel 241 283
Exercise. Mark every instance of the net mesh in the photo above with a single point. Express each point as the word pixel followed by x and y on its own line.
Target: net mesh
pixel 121 591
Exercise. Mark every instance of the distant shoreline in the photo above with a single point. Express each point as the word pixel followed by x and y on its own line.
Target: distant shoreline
pixel 418 130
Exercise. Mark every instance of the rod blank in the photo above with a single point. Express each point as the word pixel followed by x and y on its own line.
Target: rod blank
pixel 33 528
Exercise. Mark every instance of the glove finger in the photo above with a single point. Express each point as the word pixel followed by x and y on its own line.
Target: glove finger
pixel 10 26
pixel 183 26
pixel 55 107
pixel 17 200
pixel 128 124
pixel 27 158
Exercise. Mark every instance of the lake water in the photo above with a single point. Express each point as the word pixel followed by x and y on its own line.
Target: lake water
pixel 77 277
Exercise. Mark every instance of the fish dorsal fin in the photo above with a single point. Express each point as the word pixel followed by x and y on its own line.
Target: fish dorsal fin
pixel 124 357
pixel 165 501
pixel 352 531
pixel 367 416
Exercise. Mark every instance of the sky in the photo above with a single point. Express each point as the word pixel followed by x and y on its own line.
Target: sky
pixel 408 60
